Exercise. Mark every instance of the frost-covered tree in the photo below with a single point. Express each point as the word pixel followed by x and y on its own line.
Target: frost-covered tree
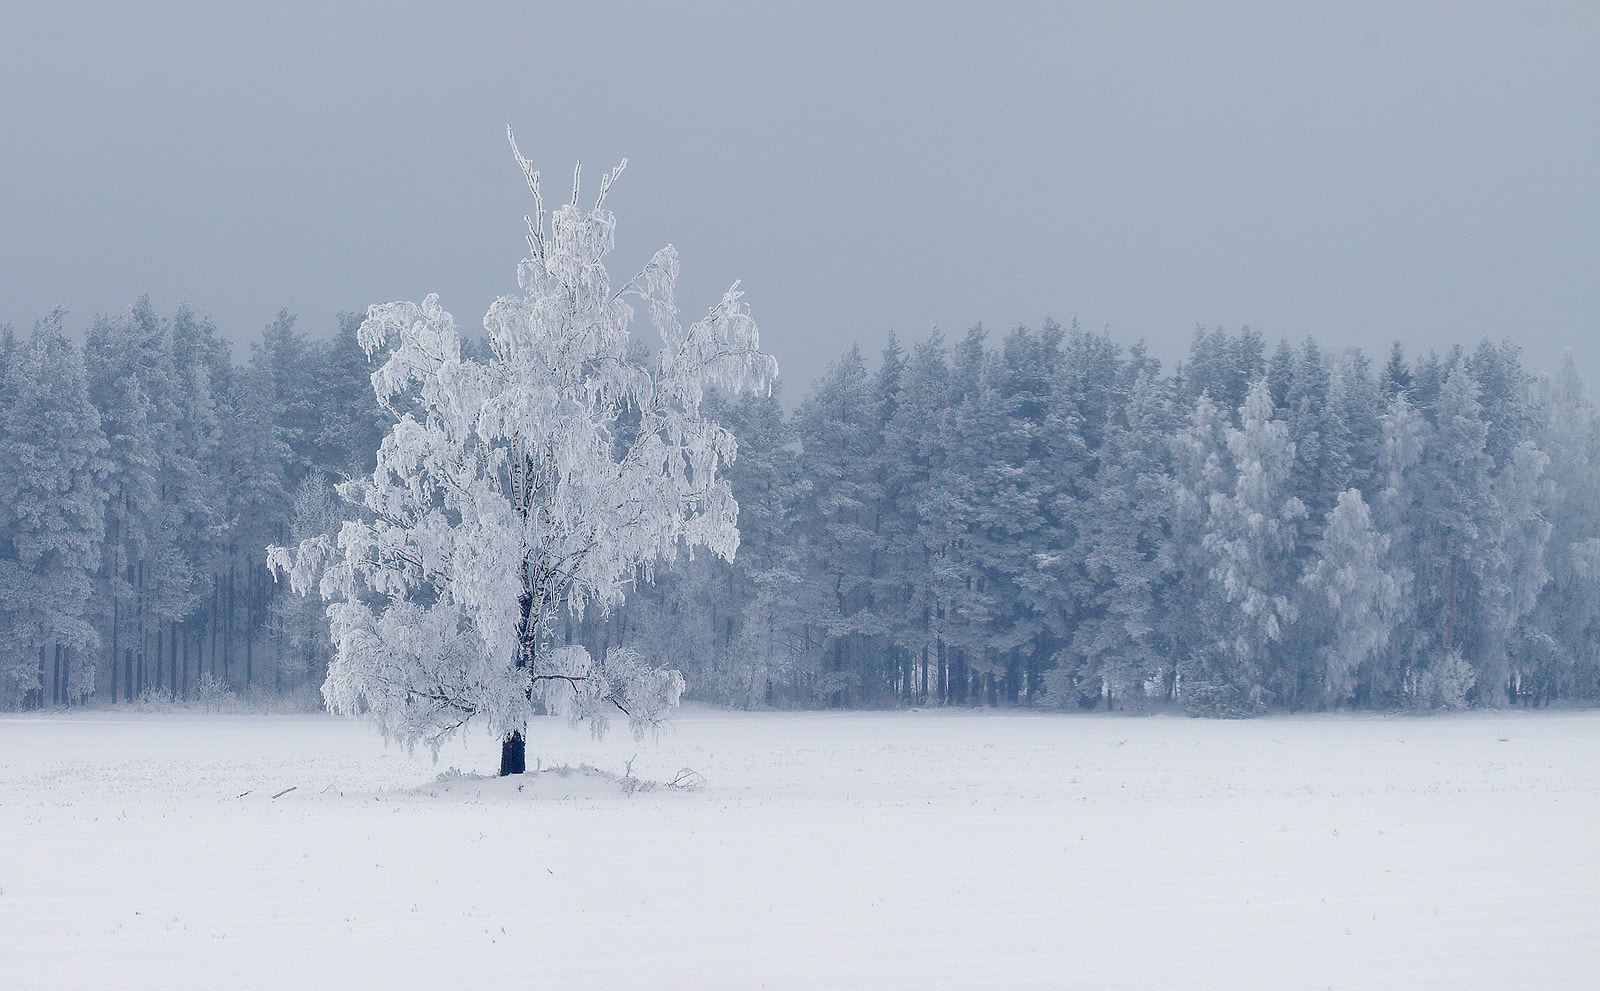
pixel 1190 628
pixel 159 515
pixel 1354 598
pixel 1456 504
pixel 513 489
pixel 1515 571
pixel 1251 534
pixel 1397 514
pixel 1560 649
pixel 259 502
pixel 838 436
pixel 350 423
pixel 297 623
pixel 911 454
pixel 52 517
pixel 1121 525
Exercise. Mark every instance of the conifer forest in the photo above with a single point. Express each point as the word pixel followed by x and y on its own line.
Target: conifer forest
pixel 1038 517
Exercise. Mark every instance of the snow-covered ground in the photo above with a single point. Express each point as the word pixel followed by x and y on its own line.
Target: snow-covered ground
pixel 905 850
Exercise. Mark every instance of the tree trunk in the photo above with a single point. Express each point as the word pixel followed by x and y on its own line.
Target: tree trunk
pixel 513 755
pixel 514 748
pixel 116 628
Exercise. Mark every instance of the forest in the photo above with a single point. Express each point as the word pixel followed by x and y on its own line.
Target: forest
pixel 1039 517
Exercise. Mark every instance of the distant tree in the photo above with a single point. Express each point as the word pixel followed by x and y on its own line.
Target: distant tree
pixel 1223 367
pixel 299 622
pixel 195 485
pixel 1352 425
pixel 349 421
pixel 1516 570
pixel 1396 374
pixel 911 455
pixel 837 510
pixel 259 504
pixel 1455 502
pixel 1120 524
pixel 759 643
pixel 1251 533
pixel 1559 650
pixel 537 482
pixel 156 492
pixel 1191 629
pixel 1354 598
pixel 288 355
pixel 1397 513
pixel 52 505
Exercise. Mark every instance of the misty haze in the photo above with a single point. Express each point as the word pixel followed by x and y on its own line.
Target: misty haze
pixel 939 498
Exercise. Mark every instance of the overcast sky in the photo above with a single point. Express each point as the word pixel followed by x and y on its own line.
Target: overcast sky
pixel 1356 172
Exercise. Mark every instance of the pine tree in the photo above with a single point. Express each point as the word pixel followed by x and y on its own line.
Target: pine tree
pixel 1353 427
pixel 52 506
pixel 1120 523
pixel 160 509
pixel 1514 572
pixel 288 355
pixel 1396 375
pixel 349 421
pixel 836 429
pixel 766 635
pixel 1560 646
pixel 195 480
pixel 1455 502
pixel 1223 367
pixel 299 622
pixel 912 455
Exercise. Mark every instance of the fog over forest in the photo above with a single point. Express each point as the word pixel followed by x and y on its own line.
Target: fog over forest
pixel 1272 396
pixel 1133 521
pixel 1037 516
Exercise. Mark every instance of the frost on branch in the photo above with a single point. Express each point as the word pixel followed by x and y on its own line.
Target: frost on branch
pixel 512 490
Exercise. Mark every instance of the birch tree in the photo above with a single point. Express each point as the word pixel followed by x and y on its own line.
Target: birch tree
pixel 1354 597
pixel 540 480
pixel 1251 534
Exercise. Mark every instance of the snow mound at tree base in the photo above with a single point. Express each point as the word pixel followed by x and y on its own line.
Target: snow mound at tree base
pixel 555 782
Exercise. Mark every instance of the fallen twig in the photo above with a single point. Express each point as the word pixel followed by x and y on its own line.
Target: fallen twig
pixel 285 792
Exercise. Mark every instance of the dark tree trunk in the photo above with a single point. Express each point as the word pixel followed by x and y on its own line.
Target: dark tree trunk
pixel 513 755
pixel 514 748
pixel 116 619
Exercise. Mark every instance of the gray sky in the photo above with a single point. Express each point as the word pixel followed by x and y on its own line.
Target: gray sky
pixel 1357 172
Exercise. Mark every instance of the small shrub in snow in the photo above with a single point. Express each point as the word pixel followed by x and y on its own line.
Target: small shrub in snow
pixel 1444 684
pixel 213 694
pixel 1218 702
pixel 154 700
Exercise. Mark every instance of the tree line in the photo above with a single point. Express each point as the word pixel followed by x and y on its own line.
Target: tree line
pixel 1047 516
pixel 142 476
pixel 1044 516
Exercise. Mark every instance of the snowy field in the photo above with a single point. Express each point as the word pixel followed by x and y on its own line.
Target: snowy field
pixel 905 850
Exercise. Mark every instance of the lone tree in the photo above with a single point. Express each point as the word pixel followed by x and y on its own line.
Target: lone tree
pixel 543 479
